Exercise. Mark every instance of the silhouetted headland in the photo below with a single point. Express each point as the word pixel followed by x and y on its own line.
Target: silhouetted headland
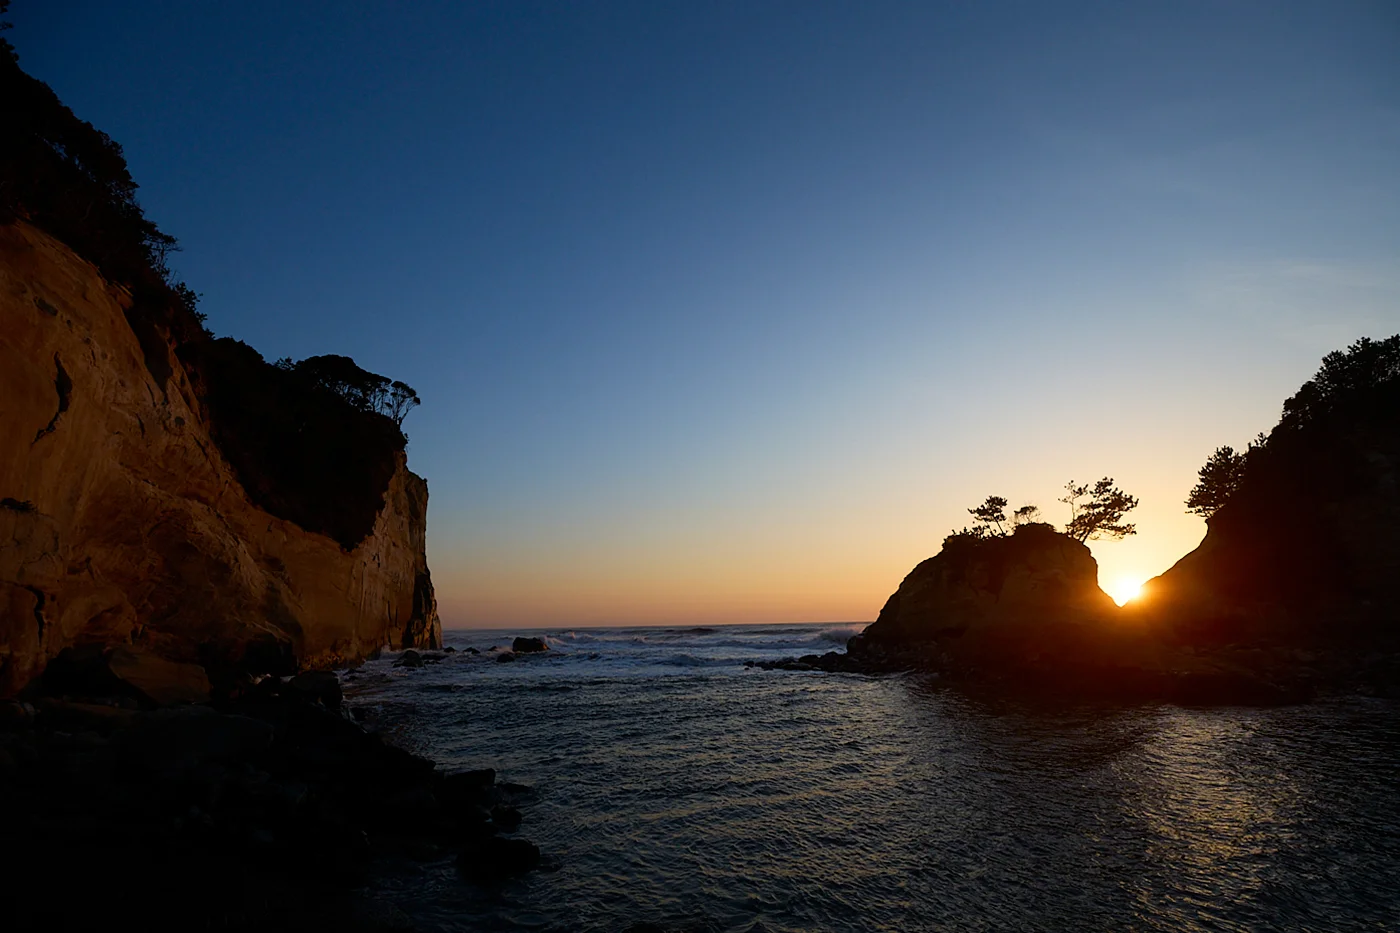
pixel 1292 592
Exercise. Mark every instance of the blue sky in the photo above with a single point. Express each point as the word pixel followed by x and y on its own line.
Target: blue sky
pixel 727 312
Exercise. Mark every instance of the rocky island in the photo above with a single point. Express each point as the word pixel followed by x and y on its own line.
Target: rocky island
pixel 1291 593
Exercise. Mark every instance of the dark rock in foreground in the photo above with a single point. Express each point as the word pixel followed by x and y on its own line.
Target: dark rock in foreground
pixel 494 857
pixel 261 812
pixel 528 645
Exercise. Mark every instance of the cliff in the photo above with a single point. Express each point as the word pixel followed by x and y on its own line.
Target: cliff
pixel 122 521
pixel 1306 551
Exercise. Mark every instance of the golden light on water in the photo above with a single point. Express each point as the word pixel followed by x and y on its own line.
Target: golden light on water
pixel 1124 589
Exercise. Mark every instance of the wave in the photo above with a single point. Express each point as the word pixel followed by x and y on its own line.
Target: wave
pixel 842 634
pixel 651 645
pixel 690 660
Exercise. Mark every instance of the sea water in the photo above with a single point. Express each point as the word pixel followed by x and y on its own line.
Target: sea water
pixel 675 786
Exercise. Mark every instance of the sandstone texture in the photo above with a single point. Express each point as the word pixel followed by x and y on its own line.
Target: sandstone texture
pixel 122 523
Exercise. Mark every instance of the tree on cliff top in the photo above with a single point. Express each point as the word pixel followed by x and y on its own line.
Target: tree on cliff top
pixel 1218 480
pixel 989 513
pixel 1220 477
pixel 70 179
pixel 6 50
pixel 1102 515
pixel 363 389
pixel 1347 380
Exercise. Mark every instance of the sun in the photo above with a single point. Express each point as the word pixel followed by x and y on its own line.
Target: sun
pixel 1125 589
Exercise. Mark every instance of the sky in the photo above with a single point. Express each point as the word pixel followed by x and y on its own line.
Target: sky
pixel 728 312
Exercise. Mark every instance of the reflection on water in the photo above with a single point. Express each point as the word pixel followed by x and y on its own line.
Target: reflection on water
pixel 715 798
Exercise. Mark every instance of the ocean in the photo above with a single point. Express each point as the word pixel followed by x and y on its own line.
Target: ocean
pixel 674 786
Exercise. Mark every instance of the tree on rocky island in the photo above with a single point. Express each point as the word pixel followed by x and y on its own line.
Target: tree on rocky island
pixel 1102 515
pixel 1025 515
pixel 989 513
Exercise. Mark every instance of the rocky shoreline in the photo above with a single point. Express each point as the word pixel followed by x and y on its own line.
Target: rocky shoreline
pixel 1243 675
pixel 265 807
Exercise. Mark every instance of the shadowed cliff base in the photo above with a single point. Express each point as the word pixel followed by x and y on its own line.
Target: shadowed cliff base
pixel 264 809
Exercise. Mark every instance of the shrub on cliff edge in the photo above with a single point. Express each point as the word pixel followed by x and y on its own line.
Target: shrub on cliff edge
pixel 316 457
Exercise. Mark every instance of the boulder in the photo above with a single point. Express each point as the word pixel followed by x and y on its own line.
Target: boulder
pixel 317 686
pixel 164 683
pixel 82 717
pixel 172 742
pixel 505 656
pixel 14 716
pixel 466 788
pixel 505 818
pixel 409 658
pixel 529 645
pixel 9 767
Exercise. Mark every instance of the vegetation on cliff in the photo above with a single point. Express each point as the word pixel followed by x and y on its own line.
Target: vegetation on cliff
pixel 70 179
pixel 1100 515
pixel 301 450
pixel 1302 539
pixel 313 442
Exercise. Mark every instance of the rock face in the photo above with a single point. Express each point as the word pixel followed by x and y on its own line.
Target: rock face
pixel 1027 596
pixel 1306 551
pixel 122 523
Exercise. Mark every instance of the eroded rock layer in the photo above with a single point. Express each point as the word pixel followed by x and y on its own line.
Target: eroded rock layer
pixel 121 522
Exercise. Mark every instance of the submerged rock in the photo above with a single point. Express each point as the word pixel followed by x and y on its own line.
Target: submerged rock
pixel 494 857
pixel 506 656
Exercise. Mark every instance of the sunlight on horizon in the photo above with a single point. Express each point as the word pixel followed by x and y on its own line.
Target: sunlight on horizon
pixel 1125 589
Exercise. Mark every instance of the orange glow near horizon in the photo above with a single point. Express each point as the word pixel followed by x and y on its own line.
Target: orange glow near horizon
pixel 839 561
pixel 1125 589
